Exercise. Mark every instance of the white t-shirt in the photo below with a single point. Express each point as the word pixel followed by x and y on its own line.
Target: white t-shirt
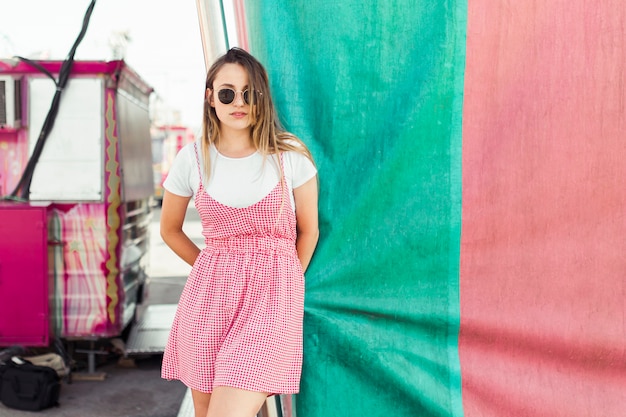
pixel 236 182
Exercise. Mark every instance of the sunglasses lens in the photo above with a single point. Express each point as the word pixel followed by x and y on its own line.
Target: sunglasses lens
pixel 226 96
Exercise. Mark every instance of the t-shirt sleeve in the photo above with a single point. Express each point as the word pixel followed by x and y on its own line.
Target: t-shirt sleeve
pixel 301 168
pixel 178 178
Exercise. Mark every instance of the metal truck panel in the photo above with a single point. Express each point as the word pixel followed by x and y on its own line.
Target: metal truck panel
pixel 70 167
pixel 136 150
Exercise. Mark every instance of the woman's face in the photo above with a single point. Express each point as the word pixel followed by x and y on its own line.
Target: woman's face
pixel 235 114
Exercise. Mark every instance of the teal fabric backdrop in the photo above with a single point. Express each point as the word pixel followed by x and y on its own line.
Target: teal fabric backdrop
pixel 375 90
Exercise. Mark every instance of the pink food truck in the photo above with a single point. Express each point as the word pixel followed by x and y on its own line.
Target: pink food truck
pixel 167 140
pixel 74 240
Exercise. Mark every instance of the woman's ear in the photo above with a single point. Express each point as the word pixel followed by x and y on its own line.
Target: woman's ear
pixel 208 94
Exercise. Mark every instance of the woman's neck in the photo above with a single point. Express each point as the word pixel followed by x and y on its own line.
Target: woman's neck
pixel 235 144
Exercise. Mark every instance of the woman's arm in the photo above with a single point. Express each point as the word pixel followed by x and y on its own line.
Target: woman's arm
pixel 305 198
pixel 173 214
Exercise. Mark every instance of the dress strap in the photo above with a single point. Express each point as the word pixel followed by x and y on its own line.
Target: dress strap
pixel 281 160
pixel 195 148
pixel 284 190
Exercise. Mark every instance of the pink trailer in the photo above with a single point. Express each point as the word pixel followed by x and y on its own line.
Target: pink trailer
pixel 74 252
pixel 167 140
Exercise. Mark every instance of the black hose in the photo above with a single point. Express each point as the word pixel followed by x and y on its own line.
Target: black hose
pixel 23 186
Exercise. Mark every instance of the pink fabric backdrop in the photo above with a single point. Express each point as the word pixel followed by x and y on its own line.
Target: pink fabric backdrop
pixel 543 247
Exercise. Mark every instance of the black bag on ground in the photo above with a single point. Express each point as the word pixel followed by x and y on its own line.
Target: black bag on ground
pixel 25 386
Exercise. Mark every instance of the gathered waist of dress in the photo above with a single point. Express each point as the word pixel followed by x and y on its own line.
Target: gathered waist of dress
pixel 252 244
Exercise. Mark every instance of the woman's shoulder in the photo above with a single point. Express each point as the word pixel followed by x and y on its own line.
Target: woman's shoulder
pixel 298 159
pixel 295 154
pixel 186 158
pixel 190 149
pixel 296 149
pixel 292 141
pixel 192 146
pixel 289 143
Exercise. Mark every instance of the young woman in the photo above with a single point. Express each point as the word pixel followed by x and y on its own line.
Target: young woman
pixel 237 333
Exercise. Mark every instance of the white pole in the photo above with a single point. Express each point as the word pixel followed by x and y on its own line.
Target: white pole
pixel 212 29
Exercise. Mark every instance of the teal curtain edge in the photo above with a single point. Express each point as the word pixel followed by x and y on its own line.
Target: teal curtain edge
pixel 457 195
pixel 455 382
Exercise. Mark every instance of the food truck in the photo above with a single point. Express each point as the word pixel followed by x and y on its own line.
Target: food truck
pixel 167 140
pixel 74 242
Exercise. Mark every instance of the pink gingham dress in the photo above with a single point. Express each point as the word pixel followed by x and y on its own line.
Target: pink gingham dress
pixel 239 318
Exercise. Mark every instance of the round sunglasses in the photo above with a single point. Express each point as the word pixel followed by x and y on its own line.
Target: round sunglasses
pixel 227 95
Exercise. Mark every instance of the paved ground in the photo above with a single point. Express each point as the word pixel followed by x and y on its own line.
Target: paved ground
pixel 131 391
pixel 136 392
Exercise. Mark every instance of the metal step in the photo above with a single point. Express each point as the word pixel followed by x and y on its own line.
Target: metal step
pixel 149 334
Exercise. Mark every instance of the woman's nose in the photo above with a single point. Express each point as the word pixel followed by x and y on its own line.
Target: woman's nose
pixel 239 101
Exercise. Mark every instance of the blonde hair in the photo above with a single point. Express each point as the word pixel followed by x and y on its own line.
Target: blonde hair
pixel 268 135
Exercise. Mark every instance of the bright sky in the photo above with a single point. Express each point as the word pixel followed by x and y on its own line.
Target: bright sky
pixel 165 48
